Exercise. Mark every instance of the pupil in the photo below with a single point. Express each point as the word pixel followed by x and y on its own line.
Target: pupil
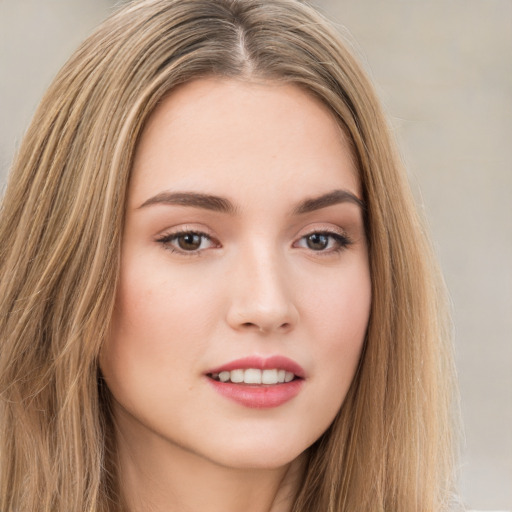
pixel 317 241
pixel 189 241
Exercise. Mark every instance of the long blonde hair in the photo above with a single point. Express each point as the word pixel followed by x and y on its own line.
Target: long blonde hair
pixel 390 447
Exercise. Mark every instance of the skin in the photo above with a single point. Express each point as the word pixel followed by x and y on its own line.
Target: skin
pixel 255 284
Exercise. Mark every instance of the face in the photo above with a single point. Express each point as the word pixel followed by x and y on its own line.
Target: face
pixel 244 291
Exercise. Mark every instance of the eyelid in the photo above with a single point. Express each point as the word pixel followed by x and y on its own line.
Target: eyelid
pixel 322 228
pixel 185 228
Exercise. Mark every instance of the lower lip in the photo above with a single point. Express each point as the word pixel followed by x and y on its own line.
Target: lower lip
pixel 258 396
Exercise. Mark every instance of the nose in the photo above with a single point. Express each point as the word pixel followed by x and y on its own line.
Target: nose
pixel 262 298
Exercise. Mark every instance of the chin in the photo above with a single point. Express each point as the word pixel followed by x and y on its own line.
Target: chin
pixel 262 451
pixel 257 460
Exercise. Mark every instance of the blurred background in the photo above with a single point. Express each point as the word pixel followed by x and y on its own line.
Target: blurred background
pixel 443 70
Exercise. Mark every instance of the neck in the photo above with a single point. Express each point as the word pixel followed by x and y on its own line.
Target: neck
pixel 163 477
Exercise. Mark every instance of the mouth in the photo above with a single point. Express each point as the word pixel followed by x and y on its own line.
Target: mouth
pixel 269 377
pixel 258 382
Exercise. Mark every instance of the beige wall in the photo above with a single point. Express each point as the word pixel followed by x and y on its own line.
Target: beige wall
pixel 444 72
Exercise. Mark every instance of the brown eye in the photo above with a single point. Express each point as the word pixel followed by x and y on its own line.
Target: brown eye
pixel 184 242
pixel 189 241
pixel 324 242
pixel 317 241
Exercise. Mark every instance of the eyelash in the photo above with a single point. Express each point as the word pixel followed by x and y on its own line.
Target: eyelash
pixel 341 241
pixel 168 239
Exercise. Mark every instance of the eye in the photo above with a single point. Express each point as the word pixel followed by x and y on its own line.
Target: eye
pixel 324 241
pixel 187 241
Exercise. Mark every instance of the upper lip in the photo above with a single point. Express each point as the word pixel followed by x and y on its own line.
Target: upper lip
pixel 262 363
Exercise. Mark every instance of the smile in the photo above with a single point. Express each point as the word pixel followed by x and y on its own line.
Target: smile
pixel 258 382
pixel 254 376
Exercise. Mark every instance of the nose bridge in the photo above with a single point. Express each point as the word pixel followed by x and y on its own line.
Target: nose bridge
pixel 262 297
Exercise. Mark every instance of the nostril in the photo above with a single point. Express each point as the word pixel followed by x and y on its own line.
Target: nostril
pixel 251 325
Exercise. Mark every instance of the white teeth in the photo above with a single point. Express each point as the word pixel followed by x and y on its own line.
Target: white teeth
pixel 237 376
pixel 224 376
pixel 254 376
pixel 269 377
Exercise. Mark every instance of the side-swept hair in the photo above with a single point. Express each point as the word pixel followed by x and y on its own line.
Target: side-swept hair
pixel 390 447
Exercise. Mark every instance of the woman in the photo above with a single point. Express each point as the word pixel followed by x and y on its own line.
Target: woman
pixel 216 293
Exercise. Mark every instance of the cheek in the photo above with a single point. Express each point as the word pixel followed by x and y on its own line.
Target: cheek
pixel 336 318
pixel 159 323
pixel 339 306
pixel 338 315
pixel 159 308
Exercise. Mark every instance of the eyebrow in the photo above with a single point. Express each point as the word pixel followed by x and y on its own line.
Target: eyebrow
pixel 329 199
pixel 194 199
pixel 222 205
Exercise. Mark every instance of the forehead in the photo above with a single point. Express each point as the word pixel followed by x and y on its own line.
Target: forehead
pixel 231 137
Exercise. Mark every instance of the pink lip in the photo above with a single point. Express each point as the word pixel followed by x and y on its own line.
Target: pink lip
pixel 259 396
